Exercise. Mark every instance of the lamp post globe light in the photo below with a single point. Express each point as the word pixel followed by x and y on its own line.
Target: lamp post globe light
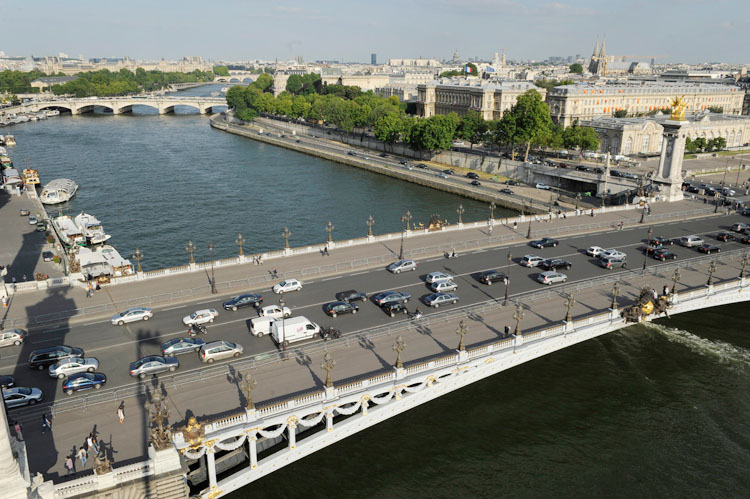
pixel 370 222
pixel 138 256
pixel 240 241
pixel 190 248
pixel 213 276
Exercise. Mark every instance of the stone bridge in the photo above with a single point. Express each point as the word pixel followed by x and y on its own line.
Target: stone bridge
pixel 120 105
pixel 237 77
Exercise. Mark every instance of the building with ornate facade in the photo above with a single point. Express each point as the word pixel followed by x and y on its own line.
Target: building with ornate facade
pixel 570 103
pixel 643 136
pixel 490 99
pixel 55 65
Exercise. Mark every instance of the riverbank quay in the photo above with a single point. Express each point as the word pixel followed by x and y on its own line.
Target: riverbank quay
pixel 215 397
pixel 31 307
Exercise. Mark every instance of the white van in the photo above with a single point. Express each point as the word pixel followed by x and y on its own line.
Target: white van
pixel 294 329
pixel 261 326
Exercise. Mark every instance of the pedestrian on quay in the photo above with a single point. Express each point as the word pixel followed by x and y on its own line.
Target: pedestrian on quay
pixel 69 466
pixel 46 425
pixel 507 331
pixel 515 225
pixel 121 412
pixel 17 427
pixel 82 455
pixel 665 290
pixel 91 443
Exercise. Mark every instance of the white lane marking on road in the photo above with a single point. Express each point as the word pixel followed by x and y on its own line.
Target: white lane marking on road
pixel 434 259
pixel 359 273
pixel 178 306
pixel 332 278
pixel 200 303
pixel 96 322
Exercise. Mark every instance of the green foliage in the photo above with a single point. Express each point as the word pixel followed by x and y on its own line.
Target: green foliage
pixel 460 72
pixel 580 137
pixel 702 145
pixel 221 70
pixel 690 146
pixel 388 128
pixel 716 109
pixel 548 84
pixel 472 127
pixel 18 82
pixel 304 85
pixel 236 98
pixel 432 134
pixel 620 113
pixel 528 122
pixel 106 83
pixel 263 82
pixel 576 68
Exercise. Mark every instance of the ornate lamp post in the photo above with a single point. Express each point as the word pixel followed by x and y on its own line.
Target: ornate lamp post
pixel 190 248
pixel 745 260
pixel 578 201
pixel 645 251
pixel 507 284
pixel 528 232
pixel 405 219
pixel 213 276
pixel 286 233
pixel 329 229
pixel 158 413
pixel 247 385
pixel 399 347
pixel 138 256
pixel 240 241
pixel 370 222
pixel 460 211
pixel 711 270
pixel 518 316
pixel 675 280
pixel 492 210
pixel 615 292
pixel 328 364
pixel 570 302
pixel 461 332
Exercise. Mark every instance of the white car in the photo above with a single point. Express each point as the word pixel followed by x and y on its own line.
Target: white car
pixel 595 251
pixel 200 317
pixel 73 365
pixel 437 276
pixel 531 260
pixel 443 286
pixel 612 253
pixel 132 314
pixel 551 277
pixel 287 285
pixel 543 187
pixel 32 220
pixel 275 312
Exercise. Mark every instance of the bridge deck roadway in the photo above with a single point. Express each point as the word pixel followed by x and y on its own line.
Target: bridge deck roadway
pixel 355 356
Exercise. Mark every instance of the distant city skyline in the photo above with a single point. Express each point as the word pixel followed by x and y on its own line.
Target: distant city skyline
pixel 688 31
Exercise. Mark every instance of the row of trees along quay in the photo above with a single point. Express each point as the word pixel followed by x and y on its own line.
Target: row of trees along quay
pixel 526 124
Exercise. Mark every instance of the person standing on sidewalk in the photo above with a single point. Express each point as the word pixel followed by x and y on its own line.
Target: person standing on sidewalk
pixel 121 412
pixel 91 443
pixel 17 427
pixel 46 423
pixel 82 455
pixel 69 466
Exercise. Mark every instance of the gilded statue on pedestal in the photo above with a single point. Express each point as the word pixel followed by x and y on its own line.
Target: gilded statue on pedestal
pixel 678 108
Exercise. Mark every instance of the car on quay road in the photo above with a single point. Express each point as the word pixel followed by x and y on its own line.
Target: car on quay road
pixel 744 239
pixel 489 276
pixel 391 297
pixel 394 308
pixel 32 220
pixel 610 263
pixel 746 212
pixel 441 175
pixel 83 381
pixel 337 308
pixel 402 266
pixel 351 153
pixel 551 277
pixel 436 299
pixel 475 183
pixel 21 396
pixel 274 312
pixel 131 315
pixel 555 264
pixel 449 172
pixel 12 337
pixel 44 357
pixel 531 260
pixel 663 254
pixel 543 187
pixel 48 256
pixel 287 285
pixel 691 241
pixel 351 295
pixel 612 253
pixel 218 350
pixel 708 248
pixel 506 191
pixel 740 227
pixel 7 381
pixel 650 250
pixel 178 346
pixel 73 365
pixel 472 175
pixel 726 236
pixel 660 241
pixel 437 276
pixel 545 242
pixel 240 301
pixel 512 182
pixel 203 316
pixel 153 364
pixel 595 251
pixel 443 286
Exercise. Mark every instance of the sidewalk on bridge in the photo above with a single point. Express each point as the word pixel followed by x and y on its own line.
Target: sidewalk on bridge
pixel 356 357
pixel 228 278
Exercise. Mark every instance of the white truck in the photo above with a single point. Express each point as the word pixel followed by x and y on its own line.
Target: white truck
pixel 285 331
pixel 261 326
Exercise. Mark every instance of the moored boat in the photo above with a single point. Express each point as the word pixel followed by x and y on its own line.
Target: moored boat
pixel 10 140
pixel 91 228
pixel 30 177
pixel 52 112
pixel 103 261
pixel 58 191
pixel 68 231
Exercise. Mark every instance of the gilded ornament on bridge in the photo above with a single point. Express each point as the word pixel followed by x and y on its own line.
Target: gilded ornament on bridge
pixel 435 223
pixel 193 433
pixel 678 108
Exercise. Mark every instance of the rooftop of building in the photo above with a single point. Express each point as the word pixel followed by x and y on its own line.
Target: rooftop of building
pixel 641 87
pixel 484 85
pixel 704 117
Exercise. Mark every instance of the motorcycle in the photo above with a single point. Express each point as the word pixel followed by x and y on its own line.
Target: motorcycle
pixel 451 255
pixel 330 332
pixel 197 329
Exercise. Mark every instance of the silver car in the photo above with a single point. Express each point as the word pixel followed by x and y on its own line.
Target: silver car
pixel 444 286
pixel 20 396
pixel 178 346
pixel 153 364
pixel 73 365
pixel 402 266
pixel 11 337
pixel 437 276
pixel 217 350
pixel 132 314
pixel 437 299
pixel 551 277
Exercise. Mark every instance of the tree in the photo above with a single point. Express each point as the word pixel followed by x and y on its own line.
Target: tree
pixel 236 98
pixel 580 137
pixel 294 84
pixel 620 113
pixel 576 68
pixel 548 84
pixel 700 143
pixel 690 146
pixel 716 109
pixel 264 82
pixel 528 121
pixel 472 127
pixel 388 128
pixel 221 70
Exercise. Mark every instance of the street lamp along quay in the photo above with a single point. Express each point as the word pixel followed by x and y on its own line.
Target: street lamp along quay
pixel 370 222
pixel 138 256
pixel 213 276
pixel 190 248
pixel 240 241
pixel 405 219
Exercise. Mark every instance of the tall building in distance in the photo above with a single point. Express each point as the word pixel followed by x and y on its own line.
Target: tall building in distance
pixel 373 59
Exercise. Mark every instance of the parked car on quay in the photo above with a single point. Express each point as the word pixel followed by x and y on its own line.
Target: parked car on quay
pixel 178 346
pixel 659 240
pixel 489 276
pixel 286 286
pixel 83 381
pixel 402 266
pixel 12 337
pixel 391 297
pixel 337 308
pixel 472 175
pixel 44 357
pixel 73 365
pixel 436 299
pixel 153 364
pixel 550 277
pixel 610 263
pixel 218 350
pixel 595 251
pixel 21 396
pixel 204 316
pixel 246 300
pixel 131 315
pixel 48 256
pixel 351 295
pixel 7 381
pixel 437 276
pixel 32 220
pixel 740 227
pixel 543 187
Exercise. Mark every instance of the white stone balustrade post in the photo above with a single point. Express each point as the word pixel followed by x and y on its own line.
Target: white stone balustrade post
pixel 211 465
pixel 329 421
pixel 292 434
pixel 252 443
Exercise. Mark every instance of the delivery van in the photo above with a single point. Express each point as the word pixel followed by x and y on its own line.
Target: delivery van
pixel 285 331
pixel 261 326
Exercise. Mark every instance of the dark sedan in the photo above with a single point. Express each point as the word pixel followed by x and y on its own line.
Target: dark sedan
pixel 660 241
pixel 555 264
pixel 650 250
pixel 506 191
pixel 351 296
pixel 475 183
pixel 545 242
pixel 7 381
pixel 489 276
pixel 391 297
pixel 395 308
pixel 83 381
pixel 245 300
pixel 663 254
pixel 708 248
pixel 45 357
pixel 512 182
pixel 337 308
pixel 725 236
pixel 472 175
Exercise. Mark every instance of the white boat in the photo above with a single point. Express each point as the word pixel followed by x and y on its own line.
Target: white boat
pixel 225 89
pixel 10 140
pixel 52 112
pixel 58 191
pixel 103 261
pixel 91 228
pixel 68 231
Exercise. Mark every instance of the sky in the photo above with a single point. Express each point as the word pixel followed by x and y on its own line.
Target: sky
pixel 690 31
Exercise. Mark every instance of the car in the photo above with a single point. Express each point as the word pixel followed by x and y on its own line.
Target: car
pixel 660 241
pixel 441 175
pixel 351 153
pixel 610 263
pixel 7 381
pixel 246 300
pixel 512 182
pixel 581 168
pixel 391 297
pixel 595 251
pixel 740 227
pixel 725 236
pixel 131 315
pixel 337 308
pixel 449 172
pixel 489 276
pixel 178 346
pixel 421 166
pixel 693 189
pixel 44 357
pixel 287 286
pixel 403 162
pixel 153 364
pixel 32 220
pixel 48 256
pixel 41 226
pixel 12 337
pixel 217 350
pixel 21 396
pixel 708 248
pixel 726 191
pixel 472 175
pixel 275 312
pixel 475 183
pixel 73 365
pixel 203 316
pixel 83 381
pixel 746 212
pixel 663 254
pixel 651 249
pixel 551 277
pixel 24 213
pixel 394 308
pixel 555 264
pixel 506 191
pixel 351 295
pixel 437 276
pixel 298 141
pixel 383 155
pixel 402 266
pixel 612 253
pixel 531 260
pixel 543 187
pixel 690 241
pixel 443 286
pixel 545 242
pixel 436 299
pixel 407 167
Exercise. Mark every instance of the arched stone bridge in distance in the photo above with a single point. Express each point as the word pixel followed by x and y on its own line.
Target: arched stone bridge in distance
pixel 238 77
pixel 120 105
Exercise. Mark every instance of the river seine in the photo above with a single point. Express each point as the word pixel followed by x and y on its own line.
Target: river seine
pixel 654 411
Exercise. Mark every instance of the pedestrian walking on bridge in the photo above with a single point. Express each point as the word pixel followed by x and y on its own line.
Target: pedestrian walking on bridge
pixel 121 412
pixel 46 423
